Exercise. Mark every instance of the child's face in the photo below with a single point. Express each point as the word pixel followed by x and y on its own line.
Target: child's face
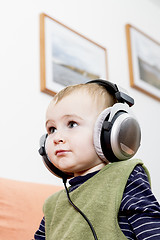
pixel 70 125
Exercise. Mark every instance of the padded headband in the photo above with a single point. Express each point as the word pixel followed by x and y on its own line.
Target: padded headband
pixel 114 91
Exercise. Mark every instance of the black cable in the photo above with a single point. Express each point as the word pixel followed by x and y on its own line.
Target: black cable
pixel 84 216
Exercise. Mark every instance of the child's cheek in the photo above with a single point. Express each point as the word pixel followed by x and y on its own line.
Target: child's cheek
pixel 49 147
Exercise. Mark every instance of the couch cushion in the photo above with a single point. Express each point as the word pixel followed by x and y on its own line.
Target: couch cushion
pixel 21 208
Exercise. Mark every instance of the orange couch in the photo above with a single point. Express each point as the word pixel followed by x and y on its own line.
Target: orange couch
pixel 21 208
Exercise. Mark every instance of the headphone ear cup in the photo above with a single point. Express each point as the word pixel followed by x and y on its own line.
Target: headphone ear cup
pixel 117 134
pixel 98 131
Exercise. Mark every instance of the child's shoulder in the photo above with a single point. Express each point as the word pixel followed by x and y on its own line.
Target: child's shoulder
pixel 53 198
pixel 55 195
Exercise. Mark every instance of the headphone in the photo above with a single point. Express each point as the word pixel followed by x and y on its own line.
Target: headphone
pixel 117 133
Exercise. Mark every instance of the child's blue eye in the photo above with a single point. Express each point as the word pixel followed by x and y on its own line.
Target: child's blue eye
pixel 72 124
pixel 52 130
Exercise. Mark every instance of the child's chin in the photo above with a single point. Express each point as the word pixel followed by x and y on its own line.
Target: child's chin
pixel 65 168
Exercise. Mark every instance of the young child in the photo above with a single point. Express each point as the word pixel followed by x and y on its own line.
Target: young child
pixel 115 199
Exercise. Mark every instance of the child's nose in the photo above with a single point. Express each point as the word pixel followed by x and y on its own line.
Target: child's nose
pixel 58 139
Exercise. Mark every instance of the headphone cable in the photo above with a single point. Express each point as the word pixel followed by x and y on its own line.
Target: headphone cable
pixel 84 216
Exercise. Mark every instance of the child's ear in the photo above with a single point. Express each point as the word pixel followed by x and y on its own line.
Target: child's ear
pixel 117 134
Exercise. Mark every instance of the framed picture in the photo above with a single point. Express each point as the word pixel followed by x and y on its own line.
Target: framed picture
pixel 144 62
pixel 67 57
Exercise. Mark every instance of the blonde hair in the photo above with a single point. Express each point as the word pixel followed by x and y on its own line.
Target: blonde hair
pixel 98 93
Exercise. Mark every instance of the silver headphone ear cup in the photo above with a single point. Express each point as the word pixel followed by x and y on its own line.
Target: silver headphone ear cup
pixel 125 136
pixel 97 133
pixel 122 139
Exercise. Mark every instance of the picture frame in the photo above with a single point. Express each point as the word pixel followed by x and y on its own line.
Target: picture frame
pixel 68 57
pixel 144 62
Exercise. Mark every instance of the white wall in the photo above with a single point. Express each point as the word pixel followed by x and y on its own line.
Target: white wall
pixel 23 105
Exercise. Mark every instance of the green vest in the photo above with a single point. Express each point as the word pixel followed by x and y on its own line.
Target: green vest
pixel 99 198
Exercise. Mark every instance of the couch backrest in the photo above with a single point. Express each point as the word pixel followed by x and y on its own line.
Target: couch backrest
pixel 21 208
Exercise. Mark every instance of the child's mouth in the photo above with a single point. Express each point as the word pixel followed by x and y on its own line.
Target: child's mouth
pixel 61 152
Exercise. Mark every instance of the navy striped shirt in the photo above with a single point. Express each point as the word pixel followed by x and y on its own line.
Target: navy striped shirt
pixel 139 213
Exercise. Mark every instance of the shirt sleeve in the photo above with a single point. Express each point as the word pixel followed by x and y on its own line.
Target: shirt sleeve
pixel 40 233
pixel 140 208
